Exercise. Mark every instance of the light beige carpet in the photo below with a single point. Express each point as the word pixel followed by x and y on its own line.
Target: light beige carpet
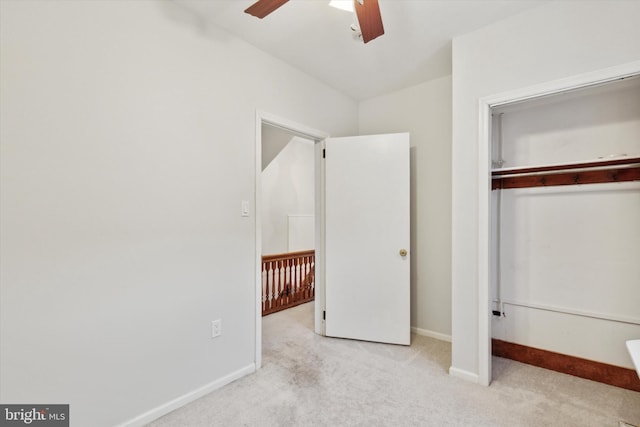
pixel 308 380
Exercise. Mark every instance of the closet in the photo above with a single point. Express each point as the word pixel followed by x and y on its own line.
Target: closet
pixel 566 223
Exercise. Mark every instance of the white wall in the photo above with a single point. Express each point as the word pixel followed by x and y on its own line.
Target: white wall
pixel 582 125
pixel 128 138
pixel 424 111
pixel 287 189
pixel 273 141
pixel 554 41
pixel 573 249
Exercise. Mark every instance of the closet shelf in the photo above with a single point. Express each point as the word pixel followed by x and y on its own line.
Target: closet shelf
pixel 592 172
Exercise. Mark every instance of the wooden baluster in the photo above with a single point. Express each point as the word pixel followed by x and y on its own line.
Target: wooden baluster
pixel 280 284
pixel 310 275
pixel 300 269
pixel 269 267
pixel 288 281
pixel 306 277
pixel 276 282
pixel 267 302
pixel 287 291
pixel 304 268
pixel 301 277
pixel 283 281
pixel 294 278
pixel 278 293
pixel 264 287
pixel 292 281
pixel 271 284
pixel 312 294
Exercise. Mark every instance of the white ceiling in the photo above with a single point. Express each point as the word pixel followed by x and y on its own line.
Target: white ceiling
pixel 316 38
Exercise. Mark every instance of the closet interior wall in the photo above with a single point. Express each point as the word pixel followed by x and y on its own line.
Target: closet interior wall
pixel 566 259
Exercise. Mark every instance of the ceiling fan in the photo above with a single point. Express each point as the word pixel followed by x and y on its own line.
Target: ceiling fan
pixel 367 11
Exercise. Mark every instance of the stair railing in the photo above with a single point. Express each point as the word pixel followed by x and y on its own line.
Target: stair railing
pixel 287 280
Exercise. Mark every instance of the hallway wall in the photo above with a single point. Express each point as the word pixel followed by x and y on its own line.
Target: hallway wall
pixel 287 189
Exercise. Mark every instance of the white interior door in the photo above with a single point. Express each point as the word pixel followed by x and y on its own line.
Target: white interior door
pixel 366 236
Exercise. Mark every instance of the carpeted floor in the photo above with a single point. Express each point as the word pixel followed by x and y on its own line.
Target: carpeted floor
pixel 309 380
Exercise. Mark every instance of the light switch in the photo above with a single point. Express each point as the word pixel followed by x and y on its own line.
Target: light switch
pixel 245 208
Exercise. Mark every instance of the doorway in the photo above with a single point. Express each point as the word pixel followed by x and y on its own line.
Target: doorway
pixel 377 202
pixel 316 137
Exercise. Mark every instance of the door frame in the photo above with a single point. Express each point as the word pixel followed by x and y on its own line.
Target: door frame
pixel 318 138
pixel 484 258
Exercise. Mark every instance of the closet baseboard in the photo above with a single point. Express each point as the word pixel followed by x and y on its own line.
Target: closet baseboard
pixel 583 368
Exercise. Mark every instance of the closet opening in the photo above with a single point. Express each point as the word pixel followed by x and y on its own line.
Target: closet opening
pixel 564 235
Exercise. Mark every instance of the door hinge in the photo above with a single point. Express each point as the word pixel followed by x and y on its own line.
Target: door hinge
pixel 324 315
pixel 324 153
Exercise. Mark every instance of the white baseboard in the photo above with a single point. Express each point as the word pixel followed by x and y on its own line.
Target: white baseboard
pixel 164 409
pixel 464 375
pixel 431 334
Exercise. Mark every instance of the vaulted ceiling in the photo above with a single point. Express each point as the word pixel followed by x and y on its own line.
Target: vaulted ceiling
pixel 317 39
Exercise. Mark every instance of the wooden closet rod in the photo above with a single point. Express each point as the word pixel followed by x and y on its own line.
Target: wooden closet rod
pixel 594 172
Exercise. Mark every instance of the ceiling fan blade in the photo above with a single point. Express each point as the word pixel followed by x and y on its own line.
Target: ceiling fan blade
pixel 262 8
pixel 369 19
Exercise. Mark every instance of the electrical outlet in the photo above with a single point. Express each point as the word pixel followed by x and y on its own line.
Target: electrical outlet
pixel 216 328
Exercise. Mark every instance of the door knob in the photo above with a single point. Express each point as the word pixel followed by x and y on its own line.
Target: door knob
pixel 403 252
